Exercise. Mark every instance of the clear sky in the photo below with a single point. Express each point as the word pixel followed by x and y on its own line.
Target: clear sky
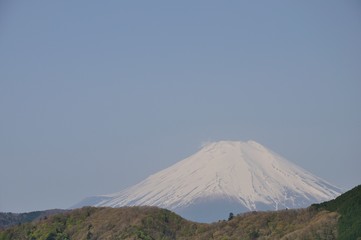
pixel 97 95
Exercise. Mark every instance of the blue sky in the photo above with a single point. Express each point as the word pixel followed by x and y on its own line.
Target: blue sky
pixel 94 96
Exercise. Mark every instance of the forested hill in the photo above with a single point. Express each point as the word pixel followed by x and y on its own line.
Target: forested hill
pixel 155 223
pixel 320 221
pixel 348 205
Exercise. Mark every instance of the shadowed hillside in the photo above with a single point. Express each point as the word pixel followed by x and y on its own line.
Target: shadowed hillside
pixel 349 206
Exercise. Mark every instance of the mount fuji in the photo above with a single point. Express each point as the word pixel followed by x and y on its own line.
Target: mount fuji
pixel 224 177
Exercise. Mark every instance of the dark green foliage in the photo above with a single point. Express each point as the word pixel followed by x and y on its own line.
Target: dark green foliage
pixel 231 216
pixel 254 234
pixel 349 206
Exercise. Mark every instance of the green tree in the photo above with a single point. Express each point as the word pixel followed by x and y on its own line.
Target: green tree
pixel 231 216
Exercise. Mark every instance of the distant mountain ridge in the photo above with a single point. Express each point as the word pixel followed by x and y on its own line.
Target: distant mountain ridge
pixel 227 175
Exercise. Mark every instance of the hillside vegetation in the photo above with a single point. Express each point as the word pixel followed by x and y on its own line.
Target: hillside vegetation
pixel 349 206
pixel 10 219
pixel 337 219
pixel 155 223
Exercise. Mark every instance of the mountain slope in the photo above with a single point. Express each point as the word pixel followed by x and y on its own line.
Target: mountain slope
pixel 225 175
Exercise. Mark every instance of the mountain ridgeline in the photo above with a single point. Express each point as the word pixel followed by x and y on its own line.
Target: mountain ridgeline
pixel 336 219
pixel 223 176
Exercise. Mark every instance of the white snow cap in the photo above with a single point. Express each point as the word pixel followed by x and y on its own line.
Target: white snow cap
pixel 244 172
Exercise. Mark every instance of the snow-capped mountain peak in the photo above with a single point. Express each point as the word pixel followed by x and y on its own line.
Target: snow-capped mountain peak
pixel 237 173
